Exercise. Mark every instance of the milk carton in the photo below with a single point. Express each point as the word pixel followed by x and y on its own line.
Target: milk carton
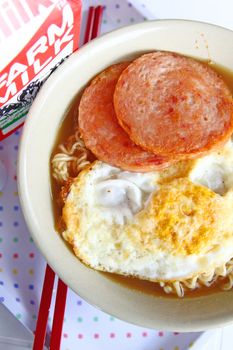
pixel 35 37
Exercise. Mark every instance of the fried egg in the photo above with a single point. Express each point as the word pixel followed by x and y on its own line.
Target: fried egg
pixel 160 226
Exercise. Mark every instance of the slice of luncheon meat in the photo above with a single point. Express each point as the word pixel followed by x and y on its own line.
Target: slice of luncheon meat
pixel 173 105
pixel 101 131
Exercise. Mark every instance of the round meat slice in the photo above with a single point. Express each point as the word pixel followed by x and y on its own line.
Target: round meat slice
pixel 101 131
pixel 173 105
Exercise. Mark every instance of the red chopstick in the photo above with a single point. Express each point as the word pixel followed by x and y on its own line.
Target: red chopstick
pixel 58 315
pixel 90 19
pixel 43 314
pixel 97 21
pixel 92 30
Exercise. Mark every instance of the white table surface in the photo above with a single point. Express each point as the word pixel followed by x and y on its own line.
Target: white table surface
pixel 219 339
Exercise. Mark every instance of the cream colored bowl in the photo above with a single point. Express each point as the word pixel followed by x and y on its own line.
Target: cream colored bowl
pixel 39 134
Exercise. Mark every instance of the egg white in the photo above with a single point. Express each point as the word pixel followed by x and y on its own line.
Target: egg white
pixel 109 217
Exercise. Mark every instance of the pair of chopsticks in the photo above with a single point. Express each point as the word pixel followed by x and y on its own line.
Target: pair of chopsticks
pixel 43 314
pixel 92 31
pixel 94 20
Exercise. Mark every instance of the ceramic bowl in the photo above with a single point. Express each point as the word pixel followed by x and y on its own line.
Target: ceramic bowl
pixel 186 37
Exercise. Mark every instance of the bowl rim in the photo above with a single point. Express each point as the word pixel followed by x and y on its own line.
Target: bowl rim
pixel 22 183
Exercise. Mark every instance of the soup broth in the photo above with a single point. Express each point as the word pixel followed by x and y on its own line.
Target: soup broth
pixel 67 128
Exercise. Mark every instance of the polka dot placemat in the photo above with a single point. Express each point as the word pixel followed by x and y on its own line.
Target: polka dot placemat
pixel 22 266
